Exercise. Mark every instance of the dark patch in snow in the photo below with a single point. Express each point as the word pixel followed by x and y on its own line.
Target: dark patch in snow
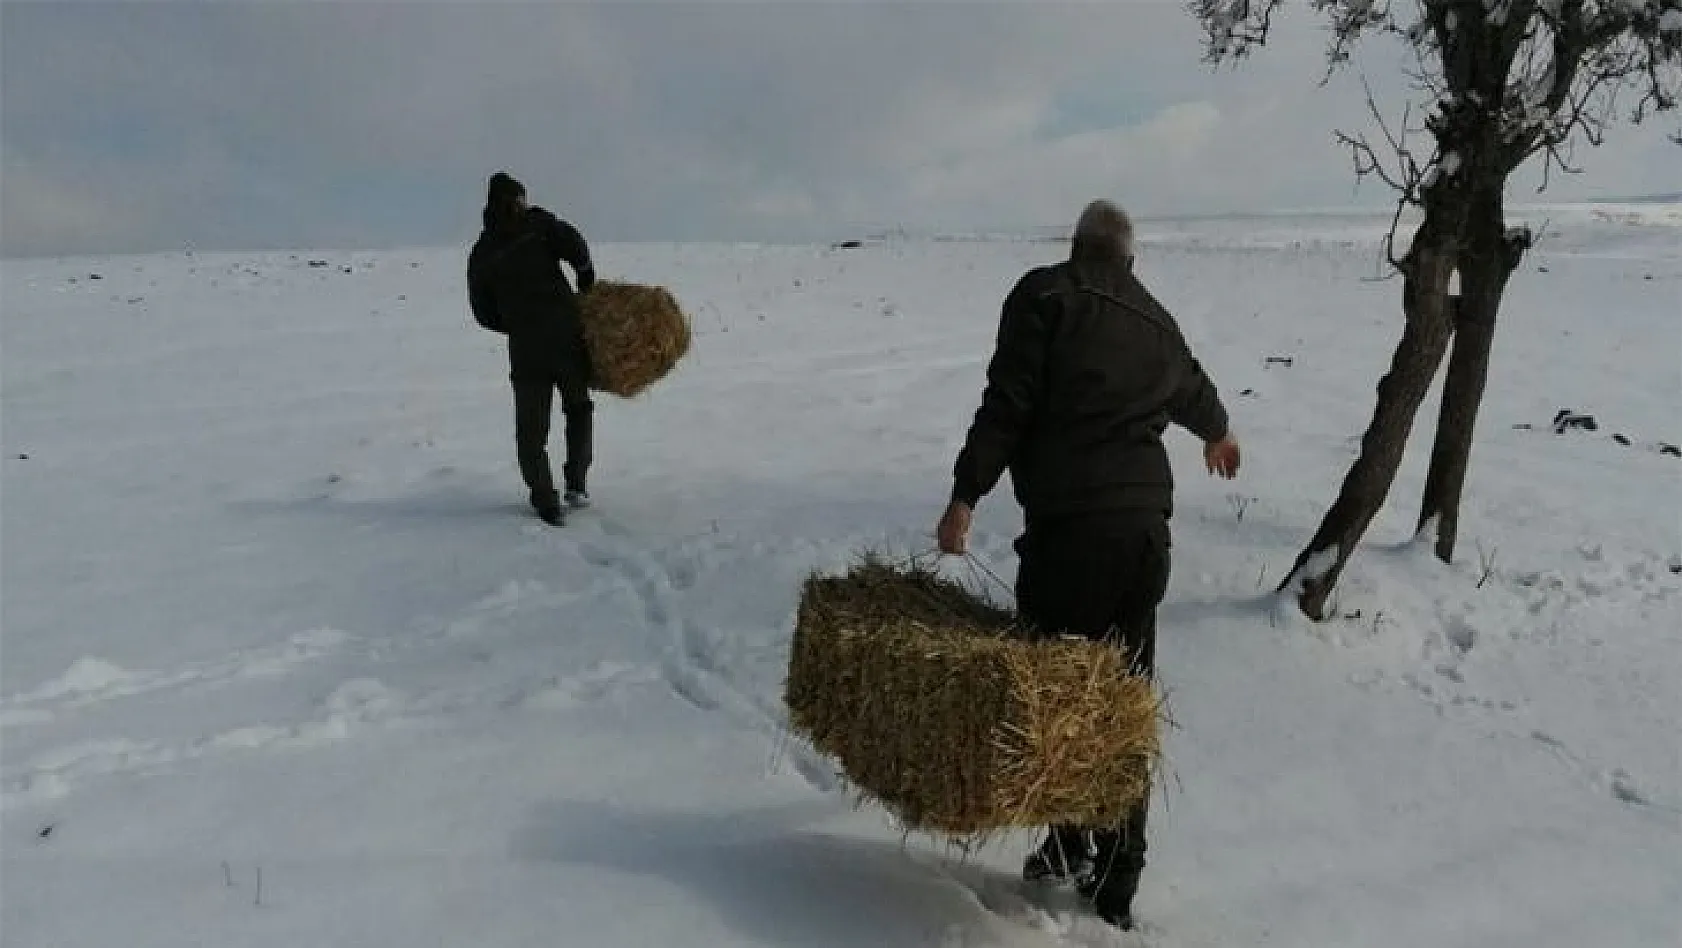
pixel 847 245
pixel 1624 789
pixel 1566 419
pixel 1670 449
pixel 1286 361
pixel 23 457
pixel 1461 634
pixel 1621 439
pixel 46 831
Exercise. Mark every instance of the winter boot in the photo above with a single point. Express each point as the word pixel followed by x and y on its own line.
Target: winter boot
pixel 1065 856
pixel 1118 860
pixel 1112 896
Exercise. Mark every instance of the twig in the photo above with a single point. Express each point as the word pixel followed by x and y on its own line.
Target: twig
pixel 258 899
pixel 1486 560
pixel 976 564
pixel 1406 180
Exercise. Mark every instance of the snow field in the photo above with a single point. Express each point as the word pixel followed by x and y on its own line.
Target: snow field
pixel 272 602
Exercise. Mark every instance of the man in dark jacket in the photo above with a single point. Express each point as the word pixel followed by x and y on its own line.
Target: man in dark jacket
pixel 516 287
pixel 1088 373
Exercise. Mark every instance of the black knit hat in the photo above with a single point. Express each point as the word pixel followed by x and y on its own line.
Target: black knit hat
pixel 500 213
pixel 503 189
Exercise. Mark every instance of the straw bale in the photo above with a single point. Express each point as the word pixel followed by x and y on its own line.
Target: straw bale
pixel 957 718
pixel 636 335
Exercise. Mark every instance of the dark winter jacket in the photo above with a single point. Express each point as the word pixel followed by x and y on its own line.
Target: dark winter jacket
pixel 515 286
pixel 1088 372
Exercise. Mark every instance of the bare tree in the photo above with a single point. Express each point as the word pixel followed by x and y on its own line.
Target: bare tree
pixel 1499 82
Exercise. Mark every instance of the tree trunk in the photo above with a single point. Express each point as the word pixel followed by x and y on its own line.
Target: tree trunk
pixel 1400 393
pixel 1490 258
pixel 1474 331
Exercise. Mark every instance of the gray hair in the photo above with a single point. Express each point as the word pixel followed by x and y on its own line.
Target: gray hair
pixel 1103 233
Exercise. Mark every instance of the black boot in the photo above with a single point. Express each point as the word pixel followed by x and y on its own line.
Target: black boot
pixel 1112 894
pixel 1118 861
pixel 1066 855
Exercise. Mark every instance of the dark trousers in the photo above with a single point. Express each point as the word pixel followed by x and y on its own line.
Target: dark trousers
pixel 534 393
pixel 1102 577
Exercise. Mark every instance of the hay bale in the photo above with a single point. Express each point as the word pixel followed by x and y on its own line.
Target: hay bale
pixel 635 334
pixel 952 715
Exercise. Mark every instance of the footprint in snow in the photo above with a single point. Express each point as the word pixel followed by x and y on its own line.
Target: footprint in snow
pixel 1461 634
pixel 599 682
pixel 683 575
pixel 93 680
pixel 87 676
pixel 1624 789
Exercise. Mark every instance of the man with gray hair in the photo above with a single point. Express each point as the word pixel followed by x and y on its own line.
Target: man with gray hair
pixel 1088 372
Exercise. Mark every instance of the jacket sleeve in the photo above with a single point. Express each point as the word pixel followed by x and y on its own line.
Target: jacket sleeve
pixel 1008 402
pixel 1196 405
pixel 569 245
pixel 480 300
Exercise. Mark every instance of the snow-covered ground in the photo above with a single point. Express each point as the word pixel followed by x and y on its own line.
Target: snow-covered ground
pixel 286 661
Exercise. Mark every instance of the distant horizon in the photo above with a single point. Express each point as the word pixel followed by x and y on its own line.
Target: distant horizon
pixel 1032 232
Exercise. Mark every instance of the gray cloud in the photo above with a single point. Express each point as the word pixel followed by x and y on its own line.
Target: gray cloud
pixel 148 126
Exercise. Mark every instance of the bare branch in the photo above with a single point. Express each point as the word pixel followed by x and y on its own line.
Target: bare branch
pixel 1233 27
pixel 1597 49
pixel 1505 80
pixel 1390 238
pixel 1408 178
pixel 1350 19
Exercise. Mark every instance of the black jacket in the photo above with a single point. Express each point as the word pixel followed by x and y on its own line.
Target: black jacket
pixel 1088 372
pixel 515 286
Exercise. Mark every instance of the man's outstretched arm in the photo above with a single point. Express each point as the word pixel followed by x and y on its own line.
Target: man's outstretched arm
pixel 1197 408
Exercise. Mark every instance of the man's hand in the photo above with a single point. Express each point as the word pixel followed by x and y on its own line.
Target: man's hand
pixel 1221 457
pixel 953 532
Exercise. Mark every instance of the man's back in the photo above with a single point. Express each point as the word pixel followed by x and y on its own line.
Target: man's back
pixel 524 260
pixel 1090 369
pixel 519 288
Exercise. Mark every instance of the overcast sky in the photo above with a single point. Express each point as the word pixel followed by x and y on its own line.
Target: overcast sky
pixel 162 125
